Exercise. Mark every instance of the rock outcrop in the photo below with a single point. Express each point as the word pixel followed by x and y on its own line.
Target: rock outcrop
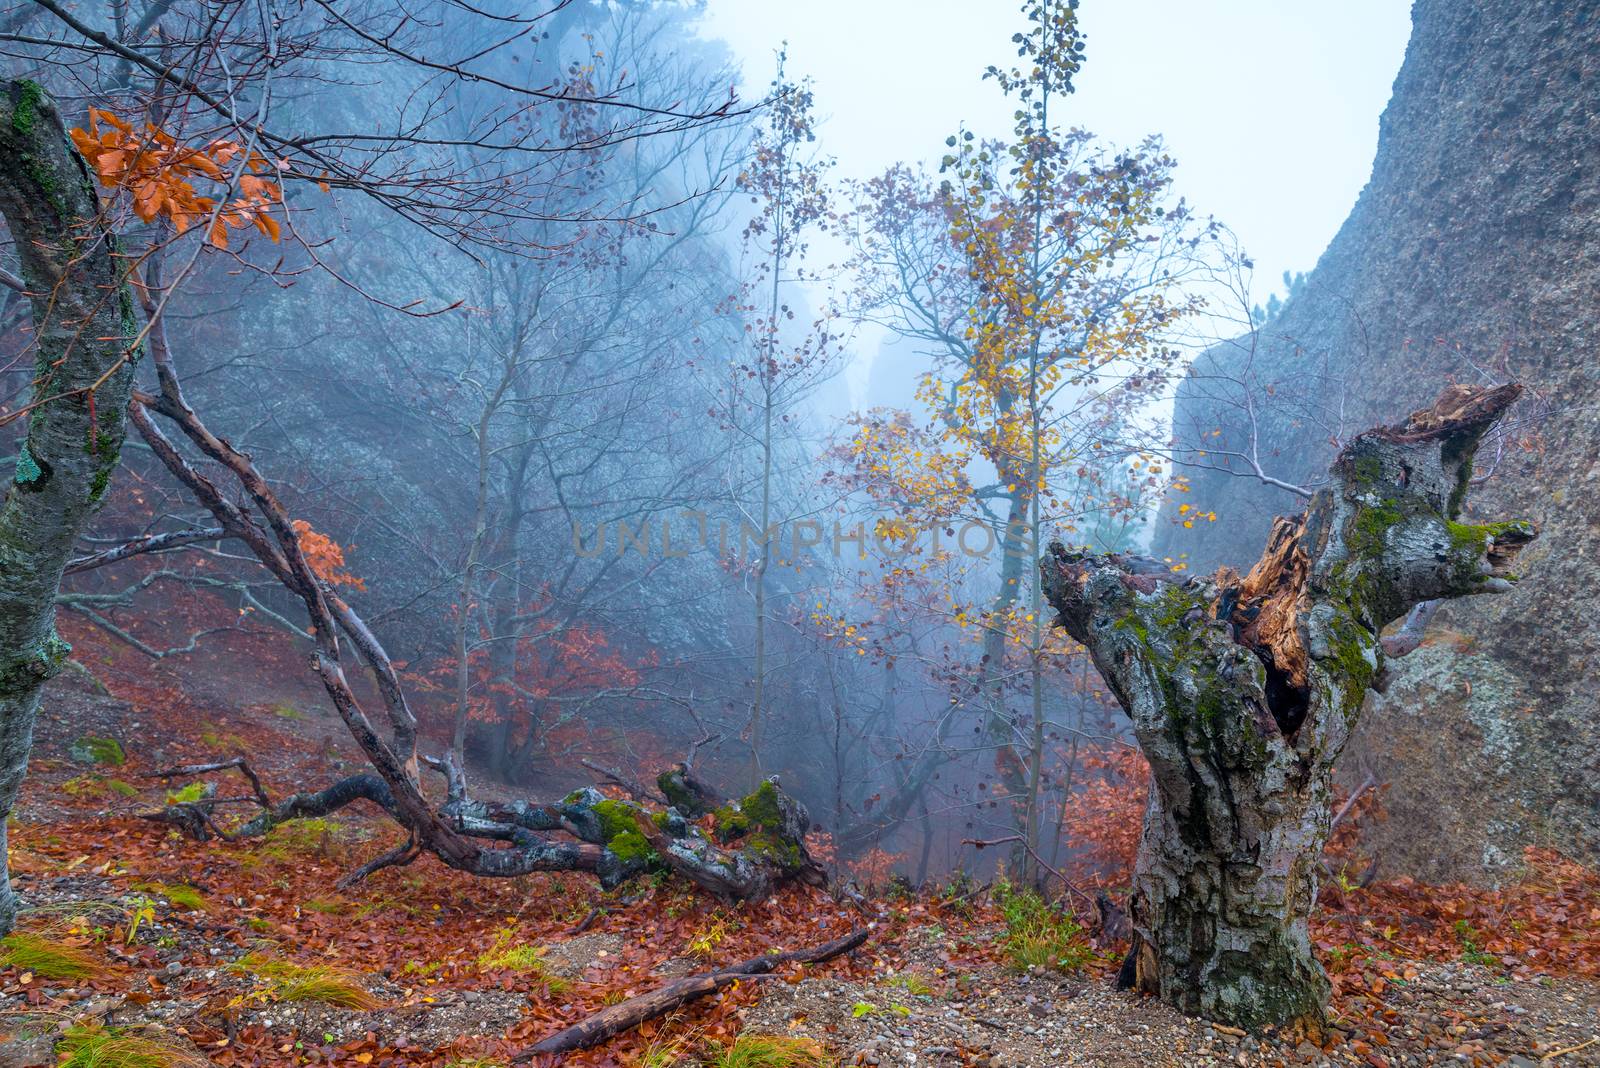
pixel 1472 255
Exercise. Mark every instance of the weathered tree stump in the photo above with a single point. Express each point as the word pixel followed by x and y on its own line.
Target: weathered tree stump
pixel 1243 692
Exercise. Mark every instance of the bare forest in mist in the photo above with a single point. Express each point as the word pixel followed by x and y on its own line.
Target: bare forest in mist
pixel 510 542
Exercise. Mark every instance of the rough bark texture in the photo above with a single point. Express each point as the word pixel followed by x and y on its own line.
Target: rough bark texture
pixel 1244 693
pixel 83 323
pixel 1476 245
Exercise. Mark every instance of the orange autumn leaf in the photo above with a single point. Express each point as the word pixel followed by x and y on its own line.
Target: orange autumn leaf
pixel 158 175
pixel 325 557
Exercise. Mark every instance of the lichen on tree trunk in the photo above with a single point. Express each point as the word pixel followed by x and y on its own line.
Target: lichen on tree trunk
pixel 83 325
pixel 1244 691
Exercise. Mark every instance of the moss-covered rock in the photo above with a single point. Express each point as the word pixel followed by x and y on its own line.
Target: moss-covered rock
pixel 91 749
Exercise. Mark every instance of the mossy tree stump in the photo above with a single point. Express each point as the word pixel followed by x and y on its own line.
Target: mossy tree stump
pixel 1244 691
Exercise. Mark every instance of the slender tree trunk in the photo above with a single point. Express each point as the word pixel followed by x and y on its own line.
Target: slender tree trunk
pixel 505 606
pixel 84 325
pixel 1011 771
pixel 769 370
pixel 1030 866
pixel 469 579
pixel 1243 693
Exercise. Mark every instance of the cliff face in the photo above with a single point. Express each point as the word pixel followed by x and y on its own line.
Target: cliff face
pixel 1473 254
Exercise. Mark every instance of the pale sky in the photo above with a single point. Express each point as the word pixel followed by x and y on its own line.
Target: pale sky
pixel 1269 106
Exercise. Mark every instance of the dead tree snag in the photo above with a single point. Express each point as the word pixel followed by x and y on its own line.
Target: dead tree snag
pixel 1243 692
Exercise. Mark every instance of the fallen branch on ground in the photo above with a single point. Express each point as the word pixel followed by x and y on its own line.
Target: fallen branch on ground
pixel 625 1015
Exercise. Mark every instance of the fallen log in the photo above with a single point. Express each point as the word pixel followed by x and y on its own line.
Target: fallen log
pixel 757 843
pixel 625 1015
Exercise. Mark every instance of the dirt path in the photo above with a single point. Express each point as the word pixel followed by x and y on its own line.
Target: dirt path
pixel 1451 1014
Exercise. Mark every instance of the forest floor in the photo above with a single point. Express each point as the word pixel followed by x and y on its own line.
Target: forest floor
pixel 244 953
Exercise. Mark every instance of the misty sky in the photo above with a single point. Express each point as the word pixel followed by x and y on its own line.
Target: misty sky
pixel 1270 108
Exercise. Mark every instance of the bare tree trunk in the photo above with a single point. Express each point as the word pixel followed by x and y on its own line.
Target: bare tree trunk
pixel 84 327
pixel 1011 771
pixel 469 570
pixel 1243 693
pixel 768 370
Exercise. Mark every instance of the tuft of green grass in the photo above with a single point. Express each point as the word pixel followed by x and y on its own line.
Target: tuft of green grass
pixel 386 903
pixel 92 785
pixel 301 838
pixel 258 923
pixel 47 957
pixel 287 711
pixel 286 981
pixel 669 1051
pixel 1472 942
pixel 769 1051
pixel 213 736
pixel 417 967
pixel 506 955
pixel 180 894
pixel 914 985
pixel 328 906
pixel 515 958
pixel 85 1046
pixel 1039 935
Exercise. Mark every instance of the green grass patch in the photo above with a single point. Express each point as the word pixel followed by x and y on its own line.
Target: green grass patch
pixel 287 711
pixel 1039 935
pixel 507 955
pixel 92 785
pixel 85 1046
pixel 914 985
pixel 286 981
pixel 46 957
pixel 213 736
pixel 328 906
pixel 182 895
pixel 423 968
pixel 769 1051
pixel 1472 941
pixel 294 839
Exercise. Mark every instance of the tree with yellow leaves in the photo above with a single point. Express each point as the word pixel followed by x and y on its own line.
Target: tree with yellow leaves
pixel 1039 276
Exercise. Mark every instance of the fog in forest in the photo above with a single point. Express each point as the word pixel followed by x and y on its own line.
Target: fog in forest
pixel 813 430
